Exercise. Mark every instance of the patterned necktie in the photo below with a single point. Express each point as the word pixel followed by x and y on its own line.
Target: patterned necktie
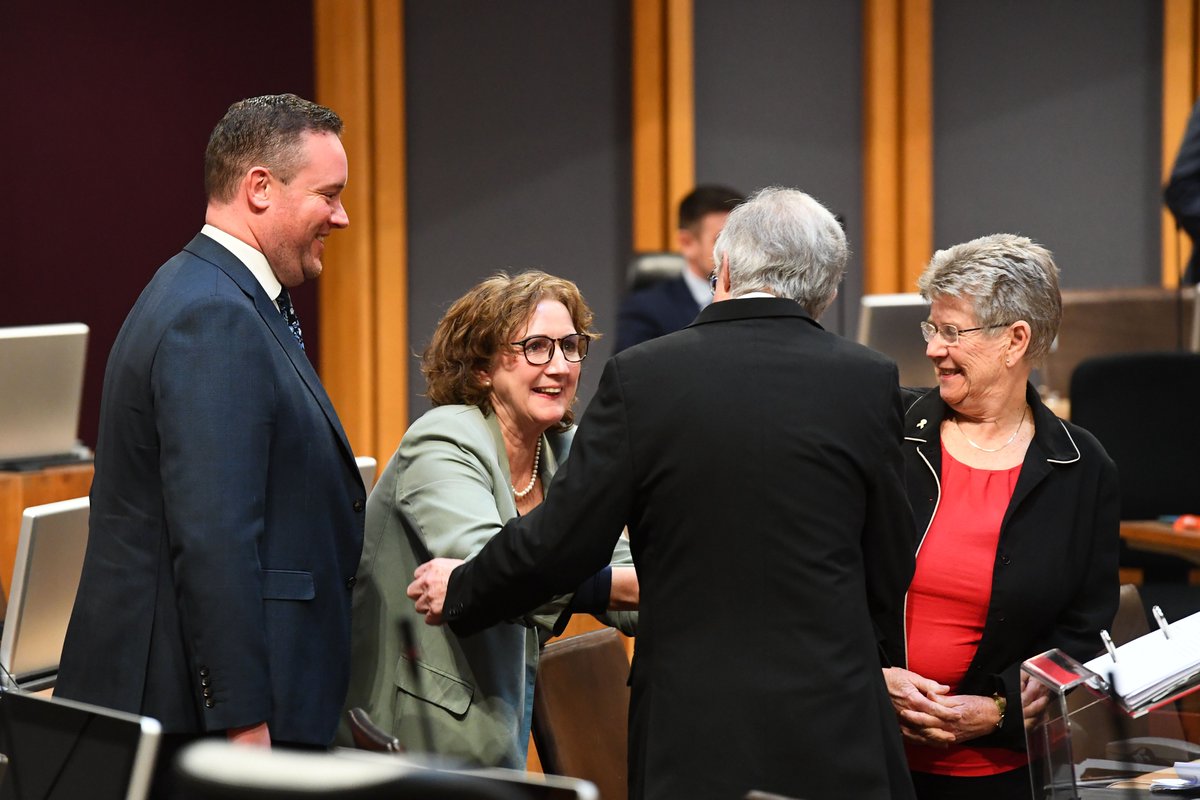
pixel 289 315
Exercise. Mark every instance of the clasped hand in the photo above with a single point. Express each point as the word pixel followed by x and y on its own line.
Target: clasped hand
pixel 428 589
pixel 930 715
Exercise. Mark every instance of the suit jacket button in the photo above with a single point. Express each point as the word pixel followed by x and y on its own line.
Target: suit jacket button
pixel 207 692
pixel 209 703
pixel 351 581
pixel 204 672
pixel 358 505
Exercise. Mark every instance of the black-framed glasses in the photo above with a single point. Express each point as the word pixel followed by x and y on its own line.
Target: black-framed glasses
pixel 950 333
pixel 712 280
pixel 539 350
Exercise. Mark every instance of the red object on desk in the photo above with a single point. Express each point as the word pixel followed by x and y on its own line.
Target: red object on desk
pixel 1186 522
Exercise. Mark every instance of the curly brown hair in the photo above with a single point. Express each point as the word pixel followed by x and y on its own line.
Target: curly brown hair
pixel 481 323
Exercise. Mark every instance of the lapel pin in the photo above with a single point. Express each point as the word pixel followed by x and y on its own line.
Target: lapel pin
pixel 921 424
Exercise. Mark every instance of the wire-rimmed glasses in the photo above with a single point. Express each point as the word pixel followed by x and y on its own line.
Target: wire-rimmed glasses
pixel 950 333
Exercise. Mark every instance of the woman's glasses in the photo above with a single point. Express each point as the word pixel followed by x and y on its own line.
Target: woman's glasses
pixel 539 350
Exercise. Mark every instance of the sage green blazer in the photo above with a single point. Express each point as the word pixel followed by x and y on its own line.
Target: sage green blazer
pixel 446 492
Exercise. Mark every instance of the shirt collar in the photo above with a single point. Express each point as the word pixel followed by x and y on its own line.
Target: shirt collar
pixel 699 287
pixel 253 258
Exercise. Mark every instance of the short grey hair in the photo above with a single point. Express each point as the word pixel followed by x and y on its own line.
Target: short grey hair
pixel 1005 278
pixel 784 242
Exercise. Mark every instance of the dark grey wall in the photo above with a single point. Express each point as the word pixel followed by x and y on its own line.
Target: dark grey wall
pixel 779 102
pixel 1047 120
pixel 518 154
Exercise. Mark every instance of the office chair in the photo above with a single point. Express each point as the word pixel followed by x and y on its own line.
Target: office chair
pixel 581 710
pixel 1143 409
pixel 217 770
pixel 648 268
pixel 369 736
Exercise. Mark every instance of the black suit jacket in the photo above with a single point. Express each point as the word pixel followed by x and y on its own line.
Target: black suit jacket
pixel 1054 581
pixel 756 459
pixel 659 309
pixel 226 517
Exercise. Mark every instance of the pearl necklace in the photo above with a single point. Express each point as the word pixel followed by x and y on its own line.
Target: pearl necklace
pixel 537 456
pixel 1011 439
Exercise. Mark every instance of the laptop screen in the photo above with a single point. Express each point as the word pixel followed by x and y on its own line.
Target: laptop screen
pixel 41 370
pixel 62 750
pixel 890 324
pixel 45 579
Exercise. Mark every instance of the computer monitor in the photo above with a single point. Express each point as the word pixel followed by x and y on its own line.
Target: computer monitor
pixel 62 750
pixel 45 579
pixel 890 324
pixel 41 370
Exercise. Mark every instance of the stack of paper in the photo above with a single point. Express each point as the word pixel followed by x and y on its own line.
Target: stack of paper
pixel 1153 667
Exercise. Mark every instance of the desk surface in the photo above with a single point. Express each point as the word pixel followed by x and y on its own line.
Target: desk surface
pixel 1160 537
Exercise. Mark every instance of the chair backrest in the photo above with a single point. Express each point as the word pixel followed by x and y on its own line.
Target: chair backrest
pixel 369 736
pixel 1139 405
pixel 1130 621
pixel 647 268
pixel 581 710
pixel 1099 322
pixel 216 770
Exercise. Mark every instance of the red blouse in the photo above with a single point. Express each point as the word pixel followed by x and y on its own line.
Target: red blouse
pixel 948 600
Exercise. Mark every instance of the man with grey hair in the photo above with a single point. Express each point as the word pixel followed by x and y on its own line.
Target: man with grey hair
pixel 226 510
pixel 756 461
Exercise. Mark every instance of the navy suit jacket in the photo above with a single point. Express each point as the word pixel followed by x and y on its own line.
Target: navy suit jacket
pixel 659 309
pixel 226 517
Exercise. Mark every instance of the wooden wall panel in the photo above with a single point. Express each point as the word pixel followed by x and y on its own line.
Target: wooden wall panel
pixel 897 143
pixel 359 60
pixel 664 139
pixel 1180 89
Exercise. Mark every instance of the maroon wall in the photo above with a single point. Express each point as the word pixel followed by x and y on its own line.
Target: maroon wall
pixel 106 108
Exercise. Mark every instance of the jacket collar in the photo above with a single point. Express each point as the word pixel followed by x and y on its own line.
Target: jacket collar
pixel 209 250
pixel 923 420
pixel 552 445
pixel 753 308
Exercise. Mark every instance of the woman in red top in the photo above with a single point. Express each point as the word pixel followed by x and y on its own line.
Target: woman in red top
pixel 1018 515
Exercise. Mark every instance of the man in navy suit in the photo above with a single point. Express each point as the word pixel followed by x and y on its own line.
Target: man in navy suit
pixel 226 510
pixel 671 304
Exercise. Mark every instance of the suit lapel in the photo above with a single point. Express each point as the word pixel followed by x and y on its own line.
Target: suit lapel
pixel 207 249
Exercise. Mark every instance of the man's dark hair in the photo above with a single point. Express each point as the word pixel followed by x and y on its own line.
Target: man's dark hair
pixel 706 199
pixel 262 131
